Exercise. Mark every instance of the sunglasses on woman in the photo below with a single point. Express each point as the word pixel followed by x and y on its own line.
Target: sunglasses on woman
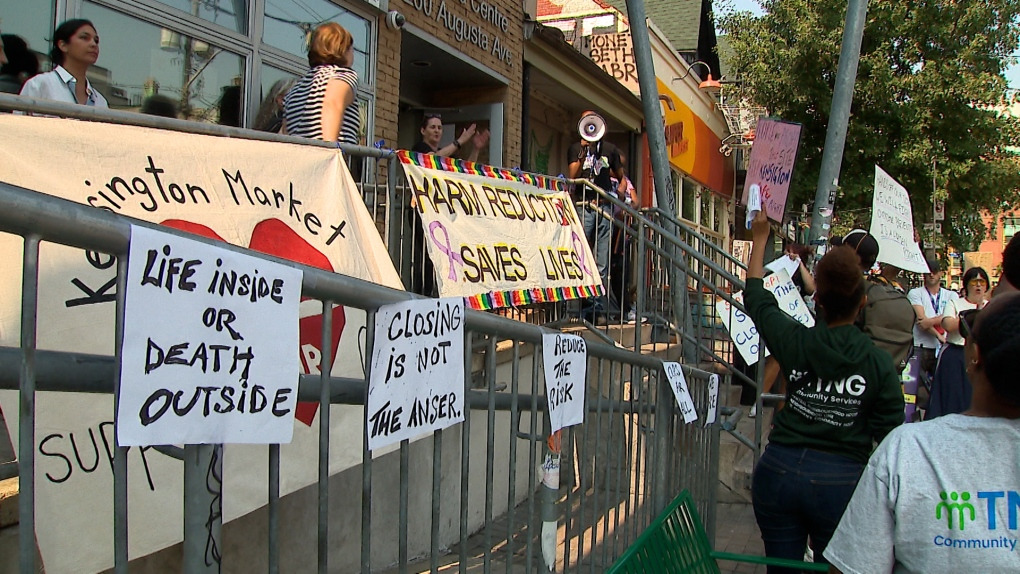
pixel 433 116
pixel 967 318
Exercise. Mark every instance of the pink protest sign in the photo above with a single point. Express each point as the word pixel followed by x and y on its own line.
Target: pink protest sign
pixel 771 164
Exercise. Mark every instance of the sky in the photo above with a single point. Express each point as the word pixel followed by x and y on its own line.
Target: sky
pixel 1012 73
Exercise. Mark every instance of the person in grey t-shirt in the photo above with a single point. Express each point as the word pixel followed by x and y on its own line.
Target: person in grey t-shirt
pixel 941 496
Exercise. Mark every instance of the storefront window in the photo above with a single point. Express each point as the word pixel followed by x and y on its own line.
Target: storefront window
pixel 689 200
pixel 33 21
pixel 289 24
pixel 138 60
pixel 706 207
pixel 231 14
pixel 717 215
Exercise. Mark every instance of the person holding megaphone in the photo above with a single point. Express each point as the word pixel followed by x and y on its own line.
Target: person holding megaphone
pixel 599 161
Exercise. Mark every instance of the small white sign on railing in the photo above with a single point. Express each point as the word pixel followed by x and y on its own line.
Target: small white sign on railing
pixel 417 380
pixel 713 400
pixel 677 382
pixel 198 365
pixel 565 358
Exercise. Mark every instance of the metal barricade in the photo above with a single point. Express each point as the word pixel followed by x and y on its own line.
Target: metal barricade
pixel 621 466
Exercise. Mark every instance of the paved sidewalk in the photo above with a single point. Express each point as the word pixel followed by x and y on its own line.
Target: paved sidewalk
pixel 736 531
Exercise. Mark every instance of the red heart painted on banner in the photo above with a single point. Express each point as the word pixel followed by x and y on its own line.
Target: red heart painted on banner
pixel 274 237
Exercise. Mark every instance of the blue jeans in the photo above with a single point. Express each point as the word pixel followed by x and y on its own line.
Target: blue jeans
pixel 797 493
pixel 599 232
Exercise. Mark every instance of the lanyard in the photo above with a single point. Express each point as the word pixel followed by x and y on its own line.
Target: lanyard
pixel 935 300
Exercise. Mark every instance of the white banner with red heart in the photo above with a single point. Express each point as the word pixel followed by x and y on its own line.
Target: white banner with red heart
pixel 291 201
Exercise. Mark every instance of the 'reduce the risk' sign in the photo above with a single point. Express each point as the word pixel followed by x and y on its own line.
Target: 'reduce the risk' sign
pixel 210 345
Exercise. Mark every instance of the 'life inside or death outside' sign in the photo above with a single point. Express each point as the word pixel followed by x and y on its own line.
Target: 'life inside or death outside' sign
pixel 210 341
pixel 677 382
pixel 565 358
pixel 892 224
pixel 417 380
pixel 771 162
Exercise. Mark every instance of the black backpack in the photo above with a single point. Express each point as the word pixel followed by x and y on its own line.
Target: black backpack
pixel 888 319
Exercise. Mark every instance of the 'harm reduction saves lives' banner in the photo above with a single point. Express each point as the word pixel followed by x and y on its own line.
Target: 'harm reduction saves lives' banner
pixel 292 201
pixel 199 365
pixel 498 238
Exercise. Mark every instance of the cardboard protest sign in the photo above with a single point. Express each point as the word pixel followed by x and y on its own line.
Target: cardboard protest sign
pixel 614 53
pixel 892 224
pixel 743 331
pixel 565 359
pixel 770 164
pixel 498 238
pixel 195 339
pixel 742 253
pixel 678 384
pixel 295 202
pixel 712 411
pixel 417 380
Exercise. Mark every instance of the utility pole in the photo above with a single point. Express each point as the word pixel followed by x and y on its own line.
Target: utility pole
pixel 655 130
pixel 839 117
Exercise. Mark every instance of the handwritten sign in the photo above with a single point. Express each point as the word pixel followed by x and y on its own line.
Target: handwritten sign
pixel 712 412
pixel 892 224
pixel 614 53
pixel 788 297
pixel 742 331
pixel 678 384
pixel 417 380
pixel 501 240
pixel 770 165
pixel 565 358
pixel 198 365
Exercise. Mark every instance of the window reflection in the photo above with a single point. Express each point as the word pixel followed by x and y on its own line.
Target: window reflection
pixel 289 24
pixel 33 21
pixel 138 60
pixel 231 14
pixel 689 199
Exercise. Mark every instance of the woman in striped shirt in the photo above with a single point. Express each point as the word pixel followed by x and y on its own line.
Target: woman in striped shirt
pixel 321 104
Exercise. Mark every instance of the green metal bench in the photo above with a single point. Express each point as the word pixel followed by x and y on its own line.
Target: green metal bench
pixel 675 542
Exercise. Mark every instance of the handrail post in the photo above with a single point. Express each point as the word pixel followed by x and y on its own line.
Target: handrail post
pixel 203 508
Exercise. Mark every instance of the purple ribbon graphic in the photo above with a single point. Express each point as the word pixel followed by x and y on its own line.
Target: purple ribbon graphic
pixel 444 246
pixel 575 239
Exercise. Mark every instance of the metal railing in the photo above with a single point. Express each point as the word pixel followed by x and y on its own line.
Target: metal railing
pixel 618 468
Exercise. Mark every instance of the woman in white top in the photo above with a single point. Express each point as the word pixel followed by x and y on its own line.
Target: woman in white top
pixel 75 48
pixel 950 390
pixel 321 105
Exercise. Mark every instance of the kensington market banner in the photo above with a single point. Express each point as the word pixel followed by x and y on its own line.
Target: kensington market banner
pixel 292 201
pixel 499 238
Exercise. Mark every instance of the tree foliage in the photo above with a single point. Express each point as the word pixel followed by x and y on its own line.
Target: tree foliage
pixel 930 87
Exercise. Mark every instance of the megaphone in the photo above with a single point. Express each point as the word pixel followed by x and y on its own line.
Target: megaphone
pixel 591 127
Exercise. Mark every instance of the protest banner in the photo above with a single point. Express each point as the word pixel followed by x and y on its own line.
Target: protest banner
pixel 742 330
pixel 291 201
pixel 565 359
pixel 770 164
pixel 195 320
pixel 499 238
pixel 416 383
pixel 678 384
pixel 892 224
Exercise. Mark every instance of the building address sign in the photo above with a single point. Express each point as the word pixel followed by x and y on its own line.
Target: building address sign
pixel 465 31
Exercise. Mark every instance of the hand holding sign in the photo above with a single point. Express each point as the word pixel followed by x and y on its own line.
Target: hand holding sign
pixel 565 358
